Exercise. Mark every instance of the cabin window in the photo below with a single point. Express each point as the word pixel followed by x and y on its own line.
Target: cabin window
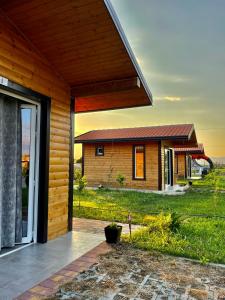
pixel 99 151
pixel 139 162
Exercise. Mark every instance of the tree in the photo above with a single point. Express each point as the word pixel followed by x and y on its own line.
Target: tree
pixel 80 180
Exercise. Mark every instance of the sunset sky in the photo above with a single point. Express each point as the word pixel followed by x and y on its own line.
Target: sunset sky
pixel 180 46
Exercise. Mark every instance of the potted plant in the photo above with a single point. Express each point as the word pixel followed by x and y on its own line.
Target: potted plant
pixel 113 233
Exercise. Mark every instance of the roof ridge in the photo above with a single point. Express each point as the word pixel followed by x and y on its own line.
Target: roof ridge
pixel 83 133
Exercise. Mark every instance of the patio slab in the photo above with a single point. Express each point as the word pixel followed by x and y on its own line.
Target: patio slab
pixel 40 268
pixel 97 226
pixel 29 266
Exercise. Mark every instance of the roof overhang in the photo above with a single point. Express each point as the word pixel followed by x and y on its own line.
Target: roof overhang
pixel 187 149
pixel 84 43
pixel 173 140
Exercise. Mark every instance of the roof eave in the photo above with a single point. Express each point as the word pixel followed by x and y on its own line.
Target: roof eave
pixel 128 48
pixel 121 140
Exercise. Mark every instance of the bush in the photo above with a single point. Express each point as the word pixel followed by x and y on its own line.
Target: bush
pixel 161 222
pixel 80 180
pixel 120 179
pixel 157 235
pixel 175 222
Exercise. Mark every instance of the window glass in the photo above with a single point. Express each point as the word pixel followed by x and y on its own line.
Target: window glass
pixel 139 162
pixel 99 150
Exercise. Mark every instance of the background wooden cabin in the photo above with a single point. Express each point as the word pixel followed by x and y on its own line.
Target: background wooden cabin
pixel 118 159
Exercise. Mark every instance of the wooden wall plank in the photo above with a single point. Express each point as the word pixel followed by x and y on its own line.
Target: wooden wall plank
pixel 23 65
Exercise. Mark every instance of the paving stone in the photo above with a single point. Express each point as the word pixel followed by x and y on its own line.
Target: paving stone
pixel 28 296
pixel 67 273
pixel 42 291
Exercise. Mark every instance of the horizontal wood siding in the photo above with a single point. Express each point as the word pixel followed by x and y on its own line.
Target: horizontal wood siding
pixel 117 159
pixel 163 165
pixel 181 165
pixel 21 63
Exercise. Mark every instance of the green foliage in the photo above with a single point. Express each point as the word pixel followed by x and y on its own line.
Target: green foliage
pixel 194 237
pixel 120 179
pixel 204 260
pixel 176 221
pixel 197 238
pixel 157 235
pixel 214 179
pixel 113 225
pixel 80 180
pixel 79 160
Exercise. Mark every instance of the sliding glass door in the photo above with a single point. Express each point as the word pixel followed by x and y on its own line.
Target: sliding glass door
pixel 169 167
pixel 28 160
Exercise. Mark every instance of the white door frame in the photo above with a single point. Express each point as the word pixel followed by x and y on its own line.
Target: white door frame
pixel 32 191
pixel 36 150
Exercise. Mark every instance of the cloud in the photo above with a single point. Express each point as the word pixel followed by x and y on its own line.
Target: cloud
pixel 171 78
pixel 168 98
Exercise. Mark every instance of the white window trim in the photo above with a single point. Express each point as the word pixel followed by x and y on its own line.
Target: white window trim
pixel 97 149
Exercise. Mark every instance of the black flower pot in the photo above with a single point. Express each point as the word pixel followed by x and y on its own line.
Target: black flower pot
pixel 113 233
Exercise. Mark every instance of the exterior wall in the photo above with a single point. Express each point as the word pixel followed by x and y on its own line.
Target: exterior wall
pixel 117 159
pixel 21 63
pixel 181 163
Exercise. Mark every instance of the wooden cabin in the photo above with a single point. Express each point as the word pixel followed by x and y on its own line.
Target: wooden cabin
pixel 183 160
pixel 144 155
pixel 56 58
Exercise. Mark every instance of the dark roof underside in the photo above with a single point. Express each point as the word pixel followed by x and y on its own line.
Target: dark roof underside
pixel 84 43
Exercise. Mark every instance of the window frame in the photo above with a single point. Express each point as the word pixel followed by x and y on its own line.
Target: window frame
pixel 96 150
pixel 170 162
pixel 134 163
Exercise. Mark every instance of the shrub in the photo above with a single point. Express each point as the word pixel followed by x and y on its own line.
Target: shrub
pixel 120 179
pixel 80 180
pixel 159 234
pixel 158 223
pixel 113 225
pixel 175 222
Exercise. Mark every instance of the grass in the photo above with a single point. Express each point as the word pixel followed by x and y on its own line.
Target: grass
pixel 115 205
pixel 198 237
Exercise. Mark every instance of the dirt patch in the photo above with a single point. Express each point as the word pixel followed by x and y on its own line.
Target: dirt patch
pixel 129 273
pixel 199 294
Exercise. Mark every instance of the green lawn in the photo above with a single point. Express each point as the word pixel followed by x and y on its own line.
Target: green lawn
pixel 198 237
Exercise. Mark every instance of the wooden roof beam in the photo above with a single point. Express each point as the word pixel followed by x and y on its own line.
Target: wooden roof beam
pixel 106 87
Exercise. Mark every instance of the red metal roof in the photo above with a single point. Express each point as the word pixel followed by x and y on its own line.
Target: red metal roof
pixel 190 150
pixel 184 132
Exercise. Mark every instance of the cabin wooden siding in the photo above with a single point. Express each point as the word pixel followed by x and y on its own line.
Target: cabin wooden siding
pixel 117 159
pixel 181 165
pixel 21 63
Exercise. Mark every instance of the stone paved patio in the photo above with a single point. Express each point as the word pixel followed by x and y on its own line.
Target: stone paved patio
pixel 131 274
pixel 128 274
pixel 81 227
pixel 49 286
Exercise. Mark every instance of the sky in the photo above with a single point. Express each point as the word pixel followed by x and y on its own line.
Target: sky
pixel 180 46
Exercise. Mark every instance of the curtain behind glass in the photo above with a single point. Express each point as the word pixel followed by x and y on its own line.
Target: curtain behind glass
pixel 10 172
